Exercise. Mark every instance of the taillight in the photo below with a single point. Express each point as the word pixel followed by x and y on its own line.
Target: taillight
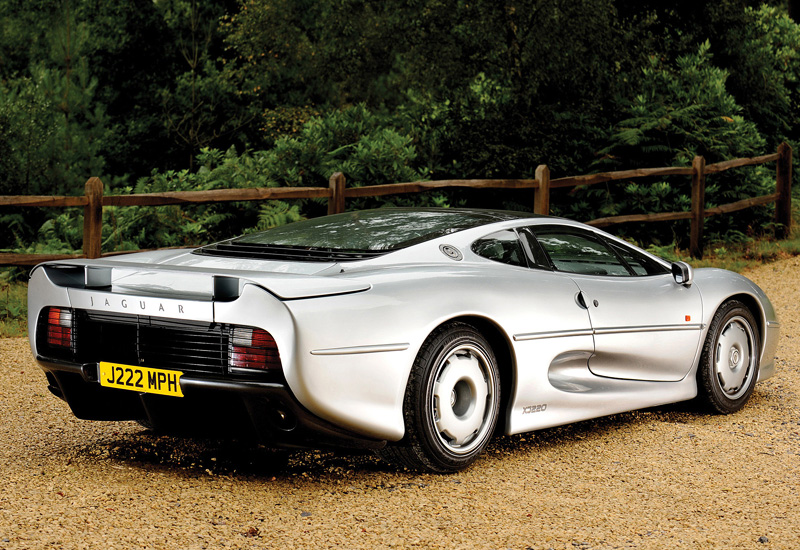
pixel 59 327
pixel 253 348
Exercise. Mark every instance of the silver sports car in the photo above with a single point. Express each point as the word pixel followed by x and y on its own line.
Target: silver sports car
pixel 415 332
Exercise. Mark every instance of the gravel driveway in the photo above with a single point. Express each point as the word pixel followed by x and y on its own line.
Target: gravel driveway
pixel 661 478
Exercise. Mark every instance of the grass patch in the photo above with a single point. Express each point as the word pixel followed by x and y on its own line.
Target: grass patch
pixel 735 257
pixel 740 256
pixel 13 309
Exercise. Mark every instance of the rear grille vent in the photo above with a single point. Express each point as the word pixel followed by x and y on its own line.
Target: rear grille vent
pixel 179 348
pixel 152 342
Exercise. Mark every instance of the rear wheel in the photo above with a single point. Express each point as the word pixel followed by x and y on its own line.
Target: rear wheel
pixel 729 364
pixel 451 403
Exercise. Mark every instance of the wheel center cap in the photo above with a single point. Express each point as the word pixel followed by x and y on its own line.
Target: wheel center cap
pixel 453 397
pixel 734 357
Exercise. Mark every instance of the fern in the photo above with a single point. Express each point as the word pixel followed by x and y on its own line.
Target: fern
pixel 275 213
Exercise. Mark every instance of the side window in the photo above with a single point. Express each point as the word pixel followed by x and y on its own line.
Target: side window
pixel 502 246
pixel 575 253
pixel 640 264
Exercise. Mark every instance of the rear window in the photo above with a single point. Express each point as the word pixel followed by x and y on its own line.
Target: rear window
pixel 503 247
pixel 380 230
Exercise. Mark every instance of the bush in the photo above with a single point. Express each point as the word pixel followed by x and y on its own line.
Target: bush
pixel 353 141
pixel 681 111
pixel 765 72
pixel 367 148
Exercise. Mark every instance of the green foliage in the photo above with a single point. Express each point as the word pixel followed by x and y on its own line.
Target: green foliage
pixel 13 307
pixel 353 141
pixel 276 57
pixel 132 228
pixel 200 104
pixel 148 95
pixel 285 121
pixel 134 55
pixel 475 84
pixel 276 213
pixel 746 253
pixel 765 72
pixel 128 228
pixel 52 131
pixel 26 126
pixel 74 148
pixel 300 53
pixel 681 111
pixel 24 28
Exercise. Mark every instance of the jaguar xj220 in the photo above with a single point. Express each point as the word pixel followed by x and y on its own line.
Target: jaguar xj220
pixel 419 333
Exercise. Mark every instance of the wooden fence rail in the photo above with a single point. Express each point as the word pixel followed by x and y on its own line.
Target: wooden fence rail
pixel 337 192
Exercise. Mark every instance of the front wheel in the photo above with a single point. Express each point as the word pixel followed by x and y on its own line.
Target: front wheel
pixel 451 403
pixel 729 364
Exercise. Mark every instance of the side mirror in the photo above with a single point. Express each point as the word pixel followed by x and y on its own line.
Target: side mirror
pixel 683 273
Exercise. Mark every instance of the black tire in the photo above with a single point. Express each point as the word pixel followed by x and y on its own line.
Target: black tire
pixel 729 364
pixel 457 365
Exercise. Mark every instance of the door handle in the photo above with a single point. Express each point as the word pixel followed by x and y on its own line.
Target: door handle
pixel 580 299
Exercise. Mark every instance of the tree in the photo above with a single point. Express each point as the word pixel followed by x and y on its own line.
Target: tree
pixel 130 54
pixel 56 129
pixel 682 110
pixel 765 72
pixel 199 104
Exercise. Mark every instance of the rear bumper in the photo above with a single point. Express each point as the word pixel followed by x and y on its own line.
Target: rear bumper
pixel 263 411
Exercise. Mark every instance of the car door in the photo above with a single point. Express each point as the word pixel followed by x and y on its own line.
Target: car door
pixel 645 325
pixel 545 317
pixel 536 291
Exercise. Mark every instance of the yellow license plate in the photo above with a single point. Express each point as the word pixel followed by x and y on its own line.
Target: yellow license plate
pixel 141 379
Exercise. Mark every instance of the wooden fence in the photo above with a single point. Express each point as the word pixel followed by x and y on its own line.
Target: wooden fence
pixel 337 193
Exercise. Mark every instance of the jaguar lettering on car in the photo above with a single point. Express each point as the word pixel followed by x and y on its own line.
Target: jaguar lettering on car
pixel 141 305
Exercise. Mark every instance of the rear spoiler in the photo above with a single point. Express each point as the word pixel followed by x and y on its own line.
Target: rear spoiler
pixel 195 283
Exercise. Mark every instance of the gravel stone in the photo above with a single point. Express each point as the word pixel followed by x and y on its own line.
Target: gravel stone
pixel 667 477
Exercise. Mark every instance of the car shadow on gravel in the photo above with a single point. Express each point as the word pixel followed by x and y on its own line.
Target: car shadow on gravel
pixel 146 448
pixel 685 412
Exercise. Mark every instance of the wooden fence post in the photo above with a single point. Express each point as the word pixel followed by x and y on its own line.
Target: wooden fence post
pixel 93 218
pixel 698 207
pixel 336 202
pixel 541 196
pixel 783 187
